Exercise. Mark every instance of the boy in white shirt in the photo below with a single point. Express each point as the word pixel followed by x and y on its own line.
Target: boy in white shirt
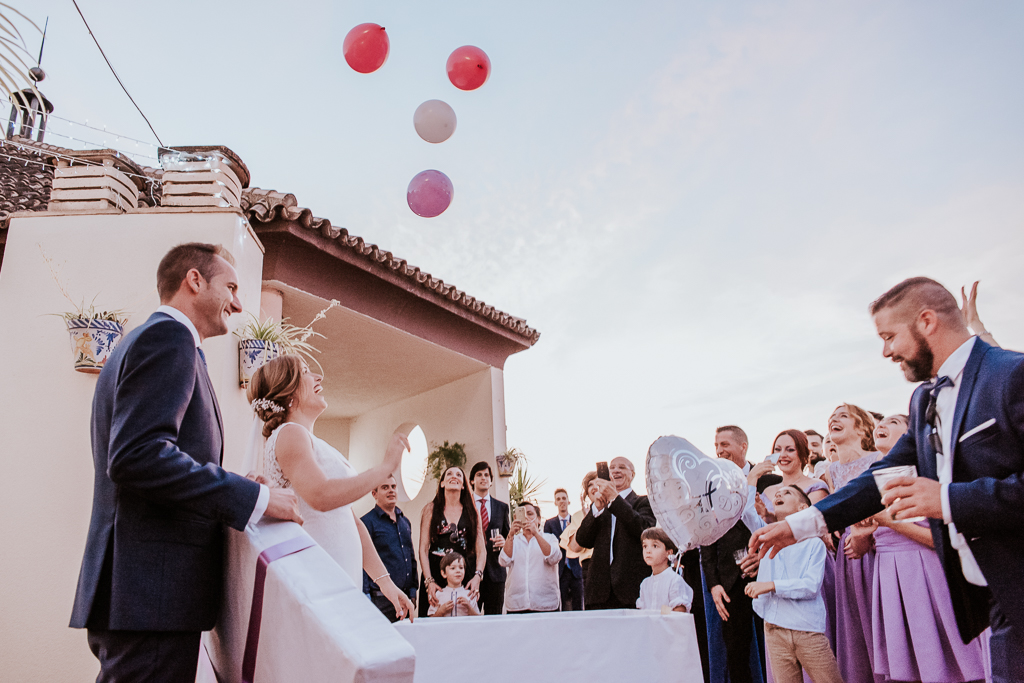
pixel 453 599
pixel 664 587
pixel 787 595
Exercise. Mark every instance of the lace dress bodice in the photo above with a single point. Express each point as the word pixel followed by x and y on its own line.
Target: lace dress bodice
pixel 843 473
pixel 333 530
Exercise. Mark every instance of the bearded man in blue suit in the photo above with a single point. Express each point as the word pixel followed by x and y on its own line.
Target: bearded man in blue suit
pixel 152 573
pixel 966 438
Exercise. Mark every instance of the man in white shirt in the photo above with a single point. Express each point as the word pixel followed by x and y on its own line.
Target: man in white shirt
pixel 532 559
pixel 966 438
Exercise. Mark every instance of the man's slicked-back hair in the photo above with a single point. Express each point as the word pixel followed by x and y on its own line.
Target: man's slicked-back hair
pixel 917 294
pixel 178 261
pixel 735 431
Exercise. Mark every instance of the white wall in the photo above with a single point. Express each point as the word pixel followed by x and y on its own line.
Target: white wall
pixel 463 411
pixel 45 407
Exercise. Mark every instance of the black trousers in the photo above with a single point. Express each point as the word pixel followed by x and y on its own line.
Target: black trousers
pixel 611 603
pixel 737 632
pixel 1007 648
pixel 572 592
pixel 136 656
pixel 492 596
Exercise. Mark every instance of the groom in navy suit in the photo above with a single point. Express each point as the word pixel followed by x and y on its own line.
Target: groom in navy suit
pixel 966 438
pixel 151 576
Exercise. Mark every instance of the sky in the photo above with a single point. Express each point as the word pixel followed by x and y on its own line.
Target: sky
pixel 694 202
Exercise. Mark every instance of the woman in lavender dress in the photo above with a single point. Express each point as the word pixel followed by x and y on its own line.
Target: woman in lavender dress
pixel 851 430
pixel 913 629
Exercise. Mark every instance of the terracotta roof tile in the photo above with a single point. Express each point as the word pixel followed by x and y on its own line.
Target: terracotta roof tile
pixel 25 180
pixel 266 206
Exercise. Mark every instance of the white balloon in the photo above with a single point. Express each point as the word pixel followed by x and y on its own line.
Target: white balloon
pixel 434 121
pixel 696 499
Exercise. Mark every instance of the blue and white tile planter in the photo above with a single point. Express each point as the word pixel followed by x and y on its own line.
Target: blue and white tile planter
pixel 92 341
pixel 506 464
pixel 252 353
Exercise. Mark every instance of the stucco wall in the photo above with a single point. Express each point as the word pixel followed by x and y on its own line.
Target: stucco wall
pixel 45 407
pixel 469 410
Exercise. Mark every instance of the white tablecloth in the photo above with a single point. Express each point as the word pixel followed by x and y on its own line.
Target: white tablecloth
pixel 611 645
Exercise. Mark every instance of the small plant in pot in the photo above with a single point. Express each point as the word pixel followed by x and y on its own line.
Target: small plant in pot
pixel 94 333
pixel 263 341
pixel 506 462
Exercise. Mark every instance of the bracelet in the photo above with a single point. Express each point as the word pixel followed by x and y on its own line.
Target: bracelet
pixel 430 580
pixel 381 577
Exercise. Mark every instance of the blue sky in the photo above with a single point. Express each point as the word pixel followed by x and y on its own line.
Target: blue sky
pixel 693 202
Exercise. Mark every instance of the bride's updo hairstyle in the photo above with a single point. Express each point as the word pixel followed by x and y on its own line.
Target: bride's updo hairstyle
pixel 272 388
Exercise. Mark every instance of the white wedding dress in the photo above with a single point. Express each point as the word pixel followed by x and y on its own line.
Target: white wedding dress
pixel 334 530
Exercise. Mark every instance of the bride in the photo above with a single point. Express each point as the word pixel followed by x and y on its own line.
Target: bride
pixel 286 396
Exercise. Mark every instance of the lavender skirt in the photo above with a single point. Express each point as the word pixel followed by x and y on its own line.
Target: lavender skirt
pixel 913 629
pixel 853 617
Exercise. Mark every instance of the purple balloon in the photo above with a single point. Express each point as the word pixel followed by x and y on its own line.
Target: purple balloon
pixel 429 194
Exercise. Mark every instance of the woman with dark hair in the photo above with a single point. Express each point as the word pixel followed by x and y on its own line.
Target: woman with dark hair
pixel 450 522
pixel 791 453
pixel 287 400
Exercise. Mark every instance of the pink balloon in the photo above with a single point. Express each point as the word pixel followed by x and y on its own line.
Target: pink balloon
pixel 366 48
pixel 429 194
pixel 468 67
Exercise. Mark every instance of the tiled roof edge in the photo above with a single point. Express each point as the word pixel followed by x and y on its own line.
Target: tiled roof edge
pixel 265 206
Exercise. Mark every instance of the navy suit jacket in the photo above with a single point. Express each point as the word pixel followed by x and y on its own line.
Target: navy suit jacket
pixel 622 576
pixel 154 554
pixel 986 498
pixel 497 518
pixel 553 526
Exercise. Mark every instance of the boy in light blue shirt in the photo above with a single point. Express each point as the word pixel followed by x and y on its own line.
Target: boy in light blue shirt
pixel 787 595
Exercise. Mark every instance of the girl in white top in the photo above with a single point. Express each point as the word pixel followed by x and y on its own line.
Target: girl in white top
pixel 532 559
pixel 664 588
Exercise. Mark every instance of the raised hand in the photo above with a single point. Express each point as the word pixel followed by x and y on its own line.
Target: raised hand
pixel 398 445
pixel 283 504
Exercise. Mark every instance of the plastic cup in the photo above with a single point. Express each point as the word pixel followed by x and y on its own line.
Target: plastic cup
pixel 887 474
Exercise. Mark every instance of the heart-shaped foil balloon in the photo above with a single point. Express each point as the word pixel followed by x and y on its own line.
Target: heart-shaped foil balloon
pixel 695 498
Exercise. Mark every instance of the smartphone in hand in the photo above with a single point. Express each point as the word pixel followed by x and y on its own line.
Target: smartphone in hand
pixel 602 471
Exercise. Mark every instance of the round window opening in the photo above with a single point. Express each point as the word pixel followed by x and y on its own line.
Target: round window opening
pixel 414 463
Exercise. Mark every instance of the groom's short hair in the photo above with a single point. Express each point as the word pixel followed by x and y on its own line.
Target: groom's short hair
pixel 917 294
pixel 178 261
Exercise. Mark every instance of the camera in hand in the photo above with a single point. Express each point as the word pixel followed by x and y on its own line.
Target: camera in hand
pixel 602 471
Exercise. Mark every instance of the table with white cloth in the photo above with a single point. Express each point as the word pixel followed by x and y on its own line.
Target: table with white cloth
pixel 604 645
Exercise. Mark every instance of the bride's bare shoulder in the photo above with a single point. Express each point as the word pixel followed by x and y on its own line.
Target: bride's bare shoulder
pixel 293 441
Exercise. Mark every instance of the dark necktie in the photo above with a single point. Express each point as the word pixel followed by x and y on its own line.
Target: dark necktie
pixel 931 413
pixel 563 523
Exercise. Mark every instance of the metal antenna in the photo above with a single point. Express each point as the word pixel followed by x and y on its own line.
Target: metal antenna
pixel 39 62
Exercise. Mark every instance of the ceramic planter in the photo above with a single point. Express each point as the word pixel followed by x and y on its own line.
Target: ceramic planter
pixel 252 353
pixel 92 341
pixel 505 463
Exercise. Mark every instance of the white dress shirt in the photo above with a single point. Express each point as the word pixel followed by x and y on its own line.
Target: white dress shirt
pixel 597 513
pixel 810 522
pixel 264 498
pixel 796 603
pixel 532 582
pixel 665 589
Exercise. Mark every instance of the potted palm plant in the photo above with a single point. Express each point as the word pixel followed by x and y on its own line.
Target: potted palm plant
pixel 263 341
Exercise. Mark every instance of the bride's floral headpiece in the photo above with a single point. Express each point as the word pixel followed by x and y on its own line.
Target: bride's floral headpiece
pixel 266 404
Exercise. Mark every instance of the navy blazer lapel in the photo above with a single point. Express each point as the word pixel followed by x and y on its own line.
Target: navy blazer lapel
pixel 963 397
pixel 927 464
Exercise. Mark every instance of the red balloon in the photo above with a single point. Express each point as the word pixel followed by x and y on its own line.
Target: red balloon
pixel 366 48
pixel 468 67
pixel 429 194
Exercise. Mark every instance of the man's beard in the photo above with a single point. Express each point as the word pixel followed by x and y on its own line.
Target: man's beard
pixel 918 368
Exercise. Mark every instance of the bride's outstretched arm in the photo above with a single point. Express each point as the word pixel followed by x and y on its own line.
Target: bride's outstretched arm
pixel 378 573
pixel 295 456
